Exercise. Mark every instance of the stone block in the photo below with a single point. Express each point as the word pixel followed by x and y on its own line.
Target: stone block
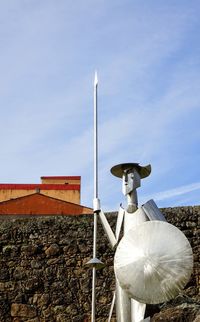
pixel 52 250
pixel 23 310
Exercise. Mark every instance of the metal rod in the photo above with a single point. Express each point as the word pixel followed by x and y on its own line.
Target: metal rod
pixel 112 307
pixel 95 137
pixel 93 294
pixel 95 196
pixel 94 271
pixel 108 231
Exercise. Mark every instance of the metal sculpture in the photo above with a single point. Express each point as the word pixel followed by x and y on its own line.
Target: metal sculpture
pixel 153 260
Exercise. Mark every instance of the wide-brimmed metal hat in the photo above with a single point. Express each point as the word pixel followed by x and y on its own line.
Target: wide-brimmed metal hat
pixel 118 170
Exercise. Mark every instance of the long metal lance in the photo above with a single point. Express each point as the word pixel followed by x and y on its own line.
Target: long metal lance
pixel 95 196
pixel 95 137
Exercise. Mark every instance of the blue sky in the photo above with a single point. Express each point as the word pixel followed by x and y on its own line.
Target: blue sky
pixel 147 54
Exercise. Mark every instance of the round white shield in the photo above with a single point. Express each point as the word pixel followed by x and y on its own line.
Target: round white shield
pixel 153 262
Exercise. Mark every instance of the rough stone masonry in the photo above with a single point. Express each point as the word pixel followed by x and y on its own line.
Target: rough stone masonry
pixel 43 277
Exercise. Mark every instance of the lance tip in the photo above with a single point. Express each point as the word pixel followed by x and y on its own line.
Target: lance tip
pixel 95 78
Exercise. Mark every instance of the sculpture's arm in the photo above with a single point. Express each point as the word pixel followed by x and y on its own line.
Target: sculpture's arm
pixel 120 219
pixel 113 238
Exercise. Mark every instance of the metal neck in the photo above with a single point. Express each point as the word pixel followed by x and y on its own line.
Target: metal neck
pixel 132 201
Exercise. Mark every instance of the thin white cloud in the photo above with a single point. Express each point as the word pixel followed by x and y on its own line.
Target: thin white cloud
pixel 167 194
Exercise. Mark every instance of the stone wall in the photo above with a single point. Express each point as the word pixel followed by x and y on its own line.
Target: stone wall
pixel 43 277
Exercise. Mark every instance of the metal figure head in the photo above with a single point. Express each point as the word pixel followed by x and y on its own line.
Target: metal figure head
pixel 130 181
pixel 131 174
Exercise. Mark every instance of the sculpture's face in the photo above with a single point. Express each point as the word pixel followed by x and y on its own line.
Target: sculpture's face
pixel 130 181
